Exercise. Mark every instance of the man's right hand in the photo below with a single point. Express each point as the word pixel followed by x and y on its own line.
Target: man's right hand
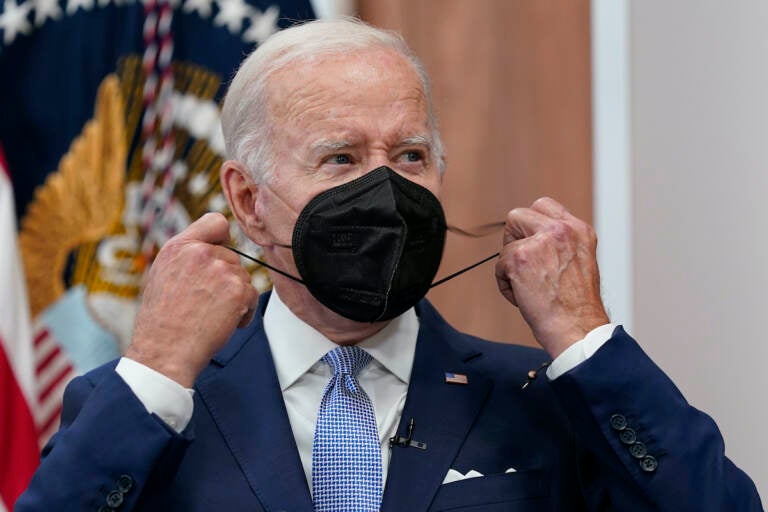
pixel 196 294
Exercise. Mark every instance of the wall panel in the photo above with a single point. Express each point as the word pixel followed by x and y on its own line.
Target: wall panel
pixel 511 83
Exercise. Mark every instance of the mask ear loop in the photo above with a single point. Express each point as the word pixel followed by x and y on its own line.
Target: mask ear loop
pixel 476 232
pixel 267 265
pixel 456 274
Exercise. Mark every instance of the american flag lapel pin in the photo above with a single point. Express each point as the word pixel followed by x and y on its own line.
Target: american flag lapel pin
pixel 456 378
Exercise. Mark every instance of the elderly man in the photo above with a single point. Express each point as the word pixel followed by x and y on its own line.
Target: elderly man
pixel 343 390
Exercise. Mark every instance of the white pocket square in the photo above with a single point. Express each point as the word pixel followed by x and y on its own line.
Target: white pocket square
pixel 455 476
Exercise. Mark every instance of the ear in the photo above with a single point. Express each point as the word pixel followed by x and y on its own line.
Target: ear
pixel 242 195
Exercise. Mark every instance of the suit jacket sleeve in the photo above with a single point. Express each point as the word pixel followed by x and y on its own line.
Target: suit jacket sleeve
pixel 635 421
pixel 108 451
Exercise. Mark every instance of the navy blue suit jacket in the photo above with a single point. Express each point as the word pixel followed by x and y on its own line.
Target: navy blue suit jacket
pixel 238 453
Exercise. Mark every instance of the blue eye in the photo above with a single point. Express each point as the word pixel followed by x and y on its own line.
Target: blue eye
pixel 413 156
pixel 341 159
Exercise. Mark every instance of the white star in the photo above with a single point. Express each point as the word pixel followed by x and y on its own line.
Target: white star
pixel 262 26
pixel 198 184
pixel 231 14
pixel 45 9
pixel 73 5
pixel 179 170
pixel 14 21
pixel 259 281
pixel 204 120
pixel 202 7
pixel 217 203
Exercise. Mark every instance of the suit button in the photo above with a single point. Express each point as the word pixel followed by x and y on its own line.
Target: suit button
pixel 618 422
pixel 628 436
pixel 638 450
pixel 649 464
pixel 124 483
pixel 114 499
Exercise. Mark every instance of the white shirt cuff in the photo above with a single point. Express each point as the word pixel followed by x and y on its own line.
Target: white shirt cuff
pixel 580 351
pixel 165 397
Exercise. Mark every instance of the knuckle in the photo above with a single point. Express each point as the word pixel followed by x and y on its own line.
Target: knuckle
pixel 521 256
pixel 505 266
pixel 240 286
pixel 561 231
pixel 216 266
pixel 198 253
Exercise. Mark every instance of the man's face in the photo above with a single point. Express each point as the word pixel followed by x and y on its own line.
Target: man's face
pixel 337 118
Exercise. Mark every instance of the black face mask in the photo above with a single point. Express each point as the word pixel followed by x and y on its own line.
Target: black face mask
pixel 370 248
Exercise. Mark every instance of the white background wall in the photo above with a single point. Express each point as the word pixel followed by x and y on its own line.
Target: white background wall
pixel 697 97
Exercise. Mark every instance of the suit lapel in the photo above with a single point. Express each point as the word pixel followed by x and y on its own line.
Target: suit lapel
pixel 442 414
pixel 242 393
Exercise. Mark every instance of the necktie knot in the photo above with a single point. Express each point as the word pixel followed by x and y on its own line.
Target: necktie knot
pixel 347 360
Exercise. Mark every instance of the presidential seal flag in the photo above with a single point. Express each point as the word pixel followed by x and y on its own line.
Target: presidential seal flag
pixel 109 117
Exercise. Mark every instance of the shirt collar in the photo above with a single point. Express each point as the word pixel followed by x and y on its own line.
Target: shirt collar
pixel 296 346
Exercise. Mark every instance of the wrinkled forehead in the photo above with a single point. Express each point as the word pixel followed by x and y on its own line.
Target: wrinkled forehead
pixel 341 76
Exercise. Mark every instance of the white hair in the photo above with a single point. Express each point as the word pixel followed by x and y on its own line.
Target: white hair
pixel 245 113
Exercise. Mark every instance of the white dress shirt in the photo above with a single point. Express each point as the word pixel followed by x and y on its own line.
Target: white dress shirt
pixel 297 349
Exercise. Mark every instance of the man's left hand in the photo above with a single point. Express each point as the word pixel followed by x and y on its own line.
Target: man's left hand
pixel 548 269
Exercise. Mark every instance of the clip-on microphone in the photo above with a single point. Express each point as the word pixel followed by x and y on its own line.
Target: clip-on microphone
pixel 405 442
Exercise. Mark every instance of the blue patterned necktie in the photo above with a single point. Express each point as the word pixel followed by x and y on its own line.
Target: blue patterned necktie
pixel 346 454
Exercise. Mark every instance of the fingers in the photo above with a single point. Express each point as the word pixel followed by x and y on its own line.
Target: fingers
pixel 544 215
pixel 524 222
pixel 548 269
pixel 203 238
pixel 502 279
pixel 223 253
pixel 211 228
pixel 550 208
pixel 249 298
pixel 247 318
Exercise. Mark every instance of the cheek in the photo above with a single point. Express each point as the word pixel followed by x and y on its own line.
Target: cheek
pixel 280 209
pixel 433 183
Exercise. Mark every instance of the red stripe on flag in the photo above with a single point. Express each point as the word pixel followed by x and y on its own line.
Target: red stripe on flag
pixel 42 365
pixel 49 421
pixel 54 384
pixel 40 337
pixel 4 163
pixel 18 437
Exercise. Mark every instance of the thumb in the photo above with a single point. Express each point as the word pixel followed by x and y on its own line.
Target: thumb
pixel 211 228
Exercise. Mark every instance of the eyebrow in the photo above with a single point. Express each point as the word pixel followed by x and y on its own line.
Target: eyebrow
pixel 416 140
pixel 331 145
pixel 325 145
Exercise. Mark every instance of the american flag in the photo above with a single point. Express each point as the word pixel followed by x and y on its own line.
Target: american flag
pixel 456 378
pixel 119 151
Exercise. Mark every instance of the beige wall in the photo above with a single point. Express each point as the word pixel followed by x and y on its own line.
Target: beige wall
pixel 512 90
